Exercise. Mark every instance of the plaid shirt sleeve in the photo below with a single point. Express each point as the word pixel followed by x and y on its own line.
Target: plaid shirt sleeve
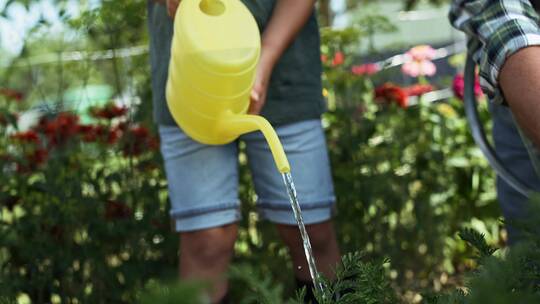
pixel 495 30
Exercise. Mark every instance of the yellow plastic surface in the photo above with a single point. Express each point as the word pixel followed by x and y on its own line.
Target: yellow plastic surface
pixel 230 123
pixel 214 56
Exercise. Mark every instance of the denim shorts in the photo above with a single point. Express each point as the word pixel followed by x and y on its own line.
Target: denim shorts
pixel 203 179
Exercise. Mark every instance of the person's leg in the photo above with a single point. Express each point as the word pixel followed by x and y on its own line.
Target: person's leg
pixel 323 242
pixel 515 157
pixel 305 146
pixel 203 190
pixel 325 250
pixel 206 254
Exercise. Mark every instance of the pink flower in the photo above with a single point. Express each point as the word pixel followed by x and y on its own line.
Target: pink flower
pixel 421 53
pixel 419 68
pixel 339 59
pixel 458 86
pixel 365 69
pixel 418 61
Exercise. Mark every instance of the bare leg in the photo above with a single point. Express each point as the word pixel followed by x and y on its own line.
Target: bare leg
pixel 205 255
pixel 323 242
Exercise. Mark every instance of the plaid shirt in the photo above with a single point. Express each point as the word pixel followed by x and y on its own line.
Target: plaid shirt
pixel 495 30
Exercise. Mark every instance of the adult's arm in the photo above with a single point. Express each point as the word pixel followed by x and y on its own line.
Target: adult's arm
pixel 172 6
pixel 503 37
pixel 520 82
pixel 288 18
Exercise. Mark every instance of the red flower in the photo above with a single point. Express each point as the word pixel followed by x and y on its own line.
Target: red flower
pixel 109 111
pixel 84 129
pixel 60 129
pixel 11 94
pixel 33 160
pixel 28 137
pixel 123 126
pixel 39 157
pixel 88 133
pixel 388 93
pixel 339 59
pixel 458 86
pixel 104 134
pixel 113 135
pixel 116 210
pixel 140 132
pixel 419 89
pixel 138 140
pixel 365 69
pixel 324 58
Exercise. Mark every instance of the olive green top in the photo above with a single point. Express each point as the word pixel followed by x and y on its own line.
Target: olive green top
pixel 295 90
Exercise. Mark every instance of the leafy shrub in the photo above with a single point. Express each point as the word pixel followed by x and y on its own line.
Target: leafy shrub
pixel 358 281
pixel 83 210
pixel 513 276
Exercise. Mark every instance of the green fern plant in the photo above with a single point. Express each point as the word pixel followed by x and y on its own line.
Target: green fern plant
pixel 478 241
pixel 511 277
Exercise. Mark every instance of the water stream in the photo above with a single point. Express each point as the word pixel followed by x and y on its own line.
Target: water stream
pixel 291 190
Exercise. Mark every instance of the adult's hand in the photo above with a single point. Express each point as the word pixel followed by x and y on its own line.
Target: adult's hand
pixel 260 87
pixel 287 20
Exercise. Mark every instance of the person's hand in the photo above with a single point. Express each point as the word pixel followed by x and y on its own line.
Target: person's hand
pixel 172 6
pixel 260 88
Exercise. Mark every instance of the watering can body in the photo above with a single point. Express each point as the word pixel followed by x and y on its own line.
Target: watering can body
pixel 214 56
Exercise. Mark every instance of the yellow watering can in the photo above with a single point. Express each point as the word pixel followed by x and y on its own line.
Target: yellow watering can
pixel 214 56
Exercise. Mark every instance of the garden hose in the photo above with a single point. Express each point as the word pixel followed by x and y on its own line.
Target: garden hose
pixel 479 133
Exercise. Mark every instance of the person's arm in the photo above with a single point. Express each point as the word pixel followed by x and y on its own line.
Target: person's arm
pixel 172 6
pixel 507 52
pixel 520 82
pixel 288 18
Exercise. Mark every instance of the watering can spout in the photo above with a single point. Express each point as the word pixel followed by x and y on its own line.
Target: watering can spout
pixel 236 124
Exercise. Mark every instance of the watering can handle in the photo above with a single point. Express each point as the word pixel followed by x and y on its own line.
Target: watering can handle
pixel 237 124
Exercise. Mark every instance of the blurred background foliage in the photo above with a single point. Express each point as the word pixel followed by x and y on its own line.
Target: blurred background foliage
pixel 327 15
pixel 89 224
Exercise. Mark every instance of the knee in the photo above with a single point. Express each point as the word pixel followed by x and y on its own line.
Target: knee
pixel 210 245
